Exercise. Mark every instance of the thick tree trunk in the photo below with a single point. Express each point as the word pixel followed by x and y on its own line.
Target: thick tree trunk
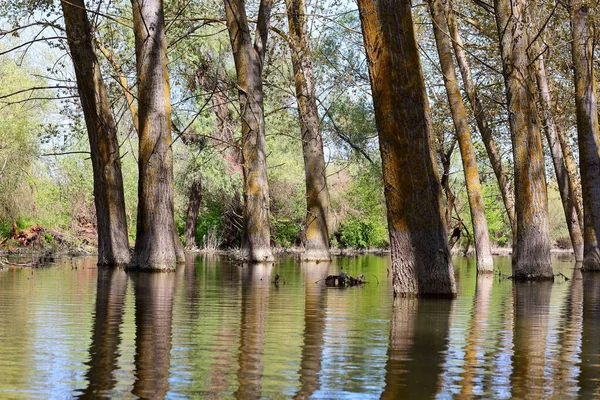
pixel 482 118
pixel 317 195
pixel 531 258
pixel 483 251
pixel 587 129
pixel 249 57
pixel 113 242
pixel 421 263
pixel 191 217
pixel 558 160
pixel 157 245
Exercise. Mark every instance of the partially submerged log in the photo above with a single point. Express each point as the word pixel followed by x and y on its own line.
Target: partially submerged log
pixel 344 280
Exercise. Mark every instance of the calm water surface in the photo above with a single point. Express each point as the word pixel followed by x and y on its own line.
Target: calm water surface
pixel 218 330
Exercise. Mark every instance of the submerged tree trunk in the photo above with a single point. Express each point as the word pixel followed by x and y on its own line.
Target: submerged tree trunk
pixel 109 199
pixel 249 57
pixel 483 250
pixel 587 129
pixel 421 263
pixel 562 177
pixel 317 196
pixel 531 259
pixel 157 245
pixel 191 217
pixel 482 118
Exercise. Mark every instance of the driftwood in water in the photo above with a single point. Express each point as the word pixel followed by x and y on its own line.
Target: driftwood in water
pixel 343 280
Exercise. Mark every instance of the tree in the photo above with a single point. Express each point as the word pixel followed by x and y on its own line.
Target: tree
pixel 113 242
pixel 531 258
pixel 588 135
pixel 421 263
pixel 317 195
pixel 249 57
pixel 157 245
pixel 483 250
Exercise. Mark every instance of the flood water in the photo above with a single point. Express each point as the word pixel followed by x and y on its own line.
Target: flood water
pixel 218 330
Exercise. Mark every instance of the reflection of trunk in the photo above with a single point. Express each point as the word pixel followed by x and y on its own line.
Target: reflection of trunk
pixel 109 199
pixel 315 305
pixel 482 117
pixel 249 58
pixel 590 339
pixel 587 128
pixel 191 217
pixel 532 303
pixel 475 347
pixel 531 259
pixel 157 244
pixel 562 177
pixel 106 334
pixel 418 338
pixel 153 318
pixel 256 282
pixel 421 262
pixel 317 195
pixel 483 251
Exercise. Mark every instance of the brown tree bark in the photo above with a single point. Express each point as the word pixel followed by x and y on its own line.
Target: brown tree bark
pixel 482 118
pixel 572 173
pixel 483 251
pixel 109 199
pixel 587 129
pixel 191 216
pixel 531 258
pixel 317 195
pixel 558 160
pixel 157 245
pixel 249 57
pixel 421 263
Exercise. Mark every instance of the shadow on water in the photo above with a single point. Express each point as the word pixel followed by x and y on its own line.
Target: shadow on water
pixel 315 307
pixel 589 368
pixel 416 351
pixel 256 283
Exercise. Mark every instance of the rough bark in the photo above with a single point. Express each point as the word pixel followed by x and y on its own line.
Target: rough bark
pixel 483 251
pixel 482 118
pixel 421 263
pixel 191 216
pixel 531 258
pixel 558 160
pixel 249 56
pixel 316 242
pixel 572 173
pixel 157 245
pixel 588 135
pixel 113 242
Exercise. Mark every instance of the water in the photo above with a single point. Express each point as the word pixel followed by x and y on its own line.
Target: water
pixel 216 330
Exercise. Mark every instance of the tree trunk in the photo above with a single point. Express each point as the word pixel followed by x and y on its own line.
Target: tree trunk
pixel 572 173
pixel 109 199
pixel 531 258
pixel 482 118
pixel 249 57
pixel 157 245
pixel 558 160
pixel 317 195
pixel 587 129
pixel 421 263
pixel 191 217
pixel 483 251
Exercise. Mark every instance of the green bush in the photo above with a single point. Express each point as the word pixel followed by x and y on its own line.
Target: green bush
pixel 285 232
pixel 362 233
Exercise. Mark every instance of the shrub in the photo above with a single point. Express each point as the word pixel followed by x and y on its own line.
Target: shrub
pixel 362 233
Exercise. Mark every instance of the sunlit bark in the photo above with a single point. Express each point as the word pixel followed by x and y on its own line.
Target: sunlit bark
pixel 421 262
pixel 157 245
pixel 587 129
pixel 482 118
pixel 558 160
pixel 483 250
pixel 109 199
pixel 317 195
pixel 249 57
pixel 531 258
